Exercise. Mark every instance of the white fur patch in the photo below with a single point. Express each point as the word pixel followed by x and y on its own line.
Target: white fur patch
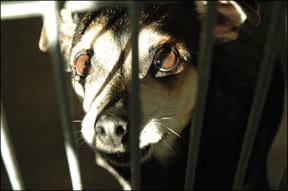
pixel 151 133
pixel 148 37
pixel 106 53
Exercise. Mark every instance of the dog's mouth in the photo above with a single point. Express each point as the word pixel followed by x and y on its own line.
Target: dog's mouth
pixel 123 158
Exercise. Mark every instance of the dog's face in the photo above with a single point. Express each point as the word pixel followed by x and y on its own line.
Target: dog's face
pixel 100 60
pixel 167 75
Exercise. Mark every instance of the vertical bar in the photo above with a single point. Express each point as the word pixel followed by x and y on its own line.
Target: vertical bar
pixel 283 183
pixel 50 21
pixel 8 156
pixel 263 84
pixel 204 62
pixel 134 100
pixel 284 46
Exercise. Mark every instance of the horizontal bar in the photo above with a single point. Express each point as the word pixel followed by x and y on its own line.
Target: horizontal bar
pixel 134 109
pixel 21 10
pixel 8 156
pixel 82 6
pixel 27 9
pixel 263 84
pixel 204 63
pixel 50 20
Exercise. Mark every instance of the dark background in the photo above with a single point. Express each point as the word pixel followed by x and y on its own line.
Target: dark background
pixel 31 107
pixel 29 98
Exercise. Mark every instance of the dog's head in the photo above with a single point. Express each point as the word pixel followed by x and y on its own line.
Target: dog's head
pixel 98 51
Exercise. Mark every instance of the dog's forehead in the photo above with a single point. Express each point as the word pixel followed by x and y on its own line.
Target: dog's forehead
pixel 109 48
pixel 112 55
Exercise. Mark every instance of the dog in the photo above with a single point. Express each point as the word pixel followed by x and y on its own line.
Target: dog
pixel 97 50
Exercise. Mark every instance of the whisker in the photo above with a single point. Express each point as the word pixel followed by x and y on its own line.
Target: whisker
pixel 77 121
pixel 177 134
pixel 165 118
pixel 167 145
pixel 160 117
pixel 174 132
pixel 156 121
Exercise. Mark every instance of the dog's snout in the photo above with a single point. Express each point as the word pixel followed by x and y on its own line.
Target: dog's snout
pixel 111 131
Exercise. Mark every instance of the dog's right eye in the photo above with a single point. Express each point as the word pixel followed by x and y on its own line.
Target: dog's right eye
pixel 82 65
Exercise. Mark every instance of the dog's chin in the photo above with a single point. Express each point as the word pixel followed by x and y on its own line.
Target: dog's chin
pixel 123 158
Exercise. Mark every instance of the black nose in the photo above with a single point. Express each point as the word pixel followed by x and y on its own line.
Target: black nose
pixel 111 131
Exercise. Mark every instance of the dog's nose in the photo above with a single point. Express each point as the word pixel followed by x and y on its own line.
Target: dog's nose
pixel 112 132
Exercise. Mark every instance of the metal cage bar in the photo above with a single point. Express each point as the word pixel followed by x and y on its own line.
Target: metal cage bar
pixel 134 100
pixel 204 63
pixel 263 84
pixel 17 10
pixel 8 156
pixel 283 183
pixel 81 6
pixel 50 21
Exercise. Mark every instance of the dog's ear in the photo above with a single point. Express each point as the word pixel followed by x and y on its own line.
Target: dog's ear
pixel 231 15
pixel 66 31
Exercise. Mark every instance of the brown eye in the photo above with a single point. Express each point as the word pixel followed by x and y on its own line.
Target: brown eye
pixel 82 65
pixel 166 58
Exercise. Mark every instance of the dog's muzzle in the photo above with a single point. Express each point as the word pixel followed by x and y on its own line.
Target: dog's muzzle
pixel 112 140
pixel 112 131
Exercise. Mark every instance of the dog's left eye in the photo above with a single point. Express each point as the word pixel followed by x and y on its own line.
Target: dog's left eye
pixel 166 58
pixel 82 65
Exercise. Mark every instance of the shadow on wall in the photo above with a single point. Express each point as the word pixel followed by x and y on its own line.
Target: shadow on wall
pixel 30 102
